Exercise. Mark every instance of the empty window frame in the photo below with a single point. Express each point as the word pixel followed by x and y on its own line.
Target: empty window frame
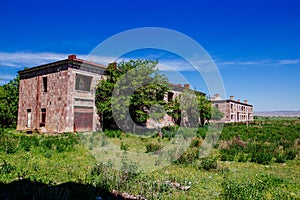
pixel 83 82
pixel 43 117
pixel 170 96
pixel 45 84
pixel 28 125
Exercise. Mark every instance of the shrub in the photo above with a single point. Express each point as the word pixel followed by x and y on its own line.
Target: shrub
pixel 124 146
pixel 208 163
pixel 280 158
pixel 153 146
pixel 196 142
pixel 262 157
pixel 242 157
pixel 259 187
pixel 227 154
pixel 26 142
pixel 261 153
pixel 189 156
pixel 187 132
pixel 113 133
pixel 59 143
pixel 201 132
pixel 9 143
pixel 6 168
pixel 291 154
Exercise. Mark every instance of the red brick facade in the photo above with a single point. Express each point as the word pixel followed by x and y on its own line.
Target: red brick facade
pixel 59 97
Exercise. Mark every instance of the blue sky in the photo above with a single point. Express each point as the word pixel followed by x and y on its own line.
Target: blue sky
pixel 255 44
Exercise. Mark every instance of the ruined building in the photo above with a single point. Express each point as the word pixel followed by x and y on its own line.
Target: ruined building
pixel 59 96
pixel 233 110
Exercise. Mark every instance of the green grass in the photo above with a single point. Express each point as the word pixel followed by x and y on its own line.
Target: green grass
pixel 58 159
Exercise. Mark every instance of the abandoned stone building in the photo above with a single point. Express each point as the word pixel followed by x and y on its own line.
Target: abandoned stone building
pixel 176 91
pixel 59 96
pixel 233 110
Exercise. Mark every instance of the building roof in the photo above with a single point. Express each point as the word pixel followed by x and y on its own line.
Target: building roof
pixel 229 100
pixel 180 88
pixel 71 62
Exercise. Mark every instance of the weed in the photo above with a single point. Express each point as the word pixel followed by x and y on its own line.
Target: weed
pixel 124 146
pixel 6 168
pixel 208 163
pixel 153 146
pixel 259 187
pixel 189 156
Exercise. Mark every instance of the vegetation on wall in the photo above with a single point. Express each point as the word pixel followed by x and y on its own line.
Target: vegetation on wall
pixel 137 86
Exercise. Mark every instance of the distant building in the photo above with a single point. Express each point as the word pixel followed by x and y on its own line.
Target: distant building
pixel 234 110
pixel 176 91
pixel 59 96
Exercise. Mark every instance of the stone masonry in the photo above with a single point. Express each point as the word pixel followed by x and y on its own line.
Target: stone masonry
pixel 59 97
pixel 233 110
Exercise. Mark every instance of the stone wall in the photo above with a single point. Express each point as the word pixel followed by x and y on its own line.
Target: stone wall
pixel 37 94
pixel 234 111
pixel 81 100
pixel 53 98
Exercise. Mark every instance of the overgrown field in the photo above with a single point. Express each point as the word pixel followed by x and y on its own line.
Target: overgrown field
pixel 258 161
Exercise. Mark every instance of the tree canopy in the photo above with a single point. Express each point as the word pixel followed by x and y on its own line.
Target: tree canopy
pixel 134 91
pixel 129 91
pixel 9 99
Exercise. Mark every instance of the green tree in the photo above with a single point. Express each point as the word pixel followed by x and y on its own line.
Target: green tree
pixel 9 99
pixel 216 114
pixel 174 110
pixel 207 111
pixel 189 108
pixel 204 106
pixel 136 86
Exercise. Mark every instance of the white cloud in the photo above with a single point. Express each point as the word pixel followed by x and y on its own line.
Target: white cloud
pixel 6 76
pixel 20 60
pixel 25 59
pixel 258 63
pixel 289 62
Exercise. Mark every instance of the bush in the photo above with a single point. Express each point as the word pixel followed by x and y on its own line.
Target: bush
pixel 124 146
pixel 153 146
pixel 280 158
pixel 227 154
pixel 113 133
pixel 59 143
pixel 263 157
pixel 201 132
pixel 8 143
pixel 187 132
pixel 189 156
pixel 196 142
pixel 242 157
pixel 26 142
pixel 169 131
pixel 261 153
pixel 6 168
pixel 291 154
pixel 260 187
pixel 208 163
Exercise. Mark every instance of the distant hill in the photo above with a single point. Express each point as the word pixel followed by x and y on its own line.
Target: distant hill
pixel 278 113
